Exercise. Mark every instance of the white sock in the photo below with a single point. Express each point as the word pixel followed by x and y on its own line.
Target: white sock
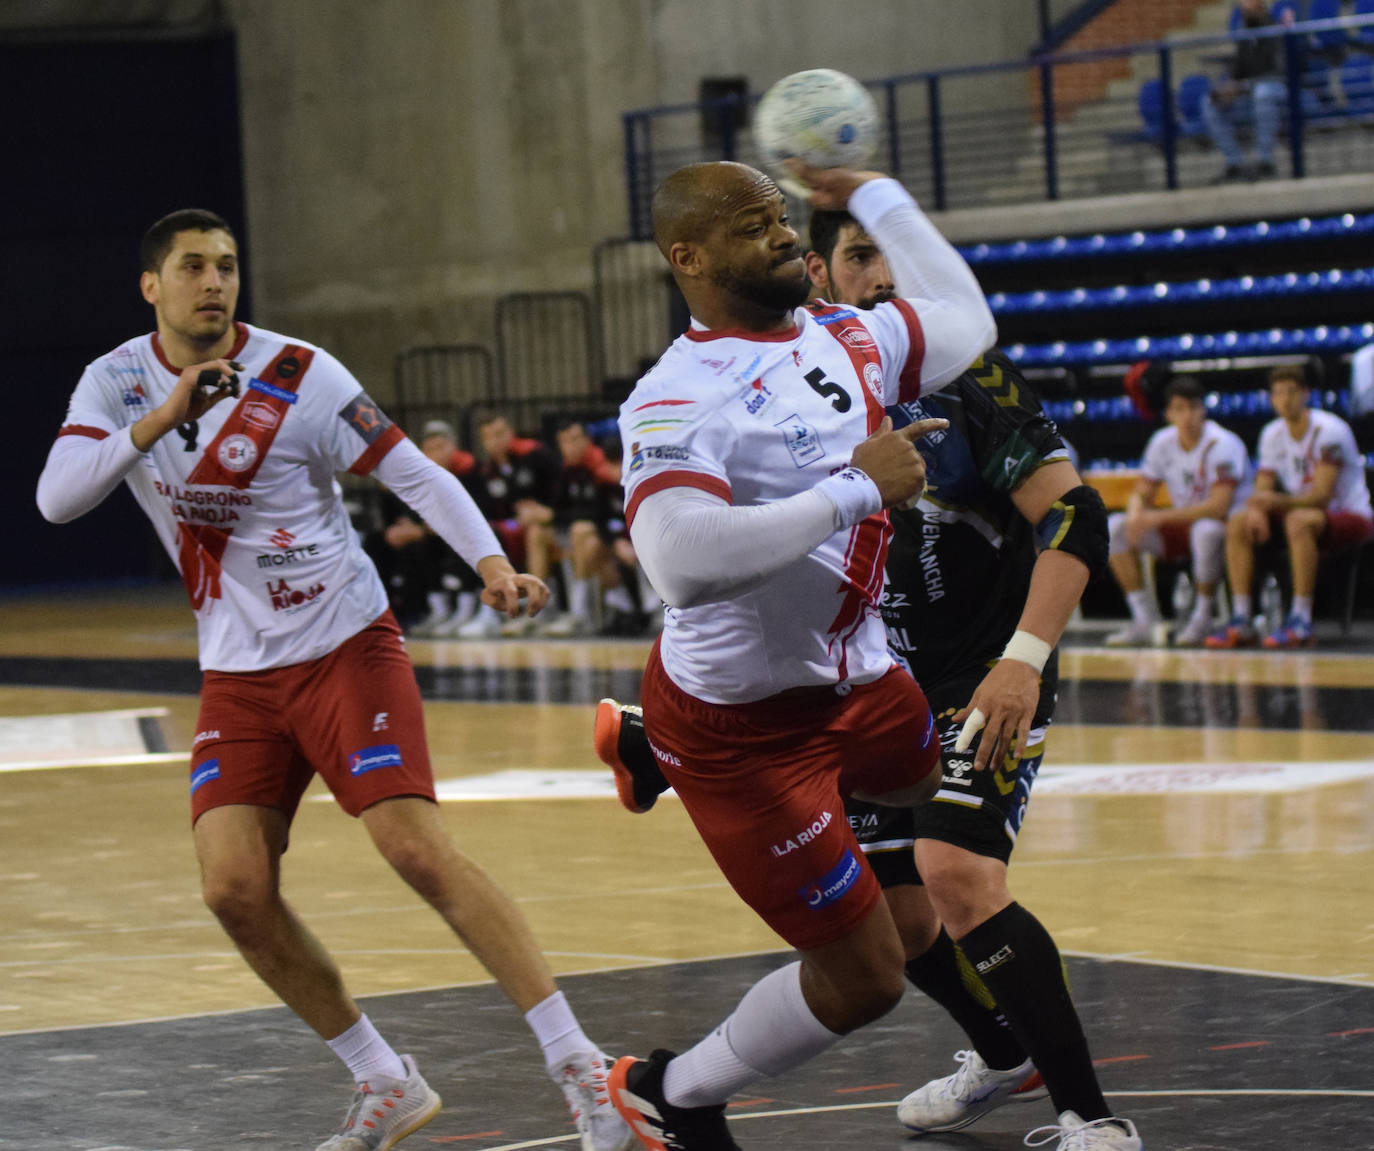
pixel 618 598
pixel 771 1031
pixel 580 599
pixel 467 605
pixel 557 1029
pixel 438 603
pixel 1241 606
pixel 366 1054
pixel 1302 608
pixel 1204 607
pixel 1142 605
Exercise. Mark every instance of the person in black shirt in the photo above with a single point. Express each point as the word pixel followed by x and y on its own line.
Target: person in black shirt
pixel 982 576
pixel 1253 89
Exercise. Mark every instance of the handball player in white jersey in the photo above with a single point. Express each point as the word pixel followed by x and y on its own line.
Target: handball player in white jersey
pixel 758 467
pixel 229 437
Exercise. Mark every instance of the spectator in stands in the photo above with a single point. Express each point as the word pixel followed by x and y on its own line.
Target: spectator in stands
pixel 1311 490
pixel 1253 90
pixel 586 499
pixel 432 591
pixel 1201 465
pixel 513 485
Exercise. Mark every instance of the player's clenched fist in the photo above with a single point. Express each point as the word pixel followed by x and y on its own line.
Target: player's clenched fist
pixel 891 461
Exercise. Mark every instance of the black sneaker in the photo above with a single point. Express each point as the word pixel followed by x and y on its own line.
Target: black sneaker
pixel 623 746
pixel 637 1092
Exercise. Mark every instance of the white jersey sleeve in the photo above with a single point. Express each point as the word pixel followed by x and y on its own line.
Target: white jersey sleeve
pixel 943 323
pixel 1154 464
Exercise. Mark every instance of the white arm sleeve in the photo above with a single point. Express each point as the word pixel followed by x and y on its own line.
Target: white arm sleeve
pixel 930 273
pixel 443 503
pixel 696 548
pixel 82 471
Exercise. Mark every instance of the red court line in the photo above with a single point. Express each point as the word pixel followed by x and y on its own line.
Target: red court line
pixel 1119 1059
pixel 871 1087
pixel 460 1138
pixel 1239 1046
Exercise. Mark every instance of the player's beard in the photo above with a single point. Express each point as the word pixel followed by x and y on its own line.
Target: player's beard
pixel 770 292
pixel 868 303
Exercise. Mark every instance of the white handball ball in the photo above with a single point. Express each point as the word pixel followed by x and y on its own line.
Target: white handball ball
pixel 824 117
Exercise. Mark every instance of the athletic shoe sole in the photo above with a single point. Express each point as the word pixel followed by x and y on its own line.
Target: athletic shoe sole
pixel 606 741
pixel 625 1100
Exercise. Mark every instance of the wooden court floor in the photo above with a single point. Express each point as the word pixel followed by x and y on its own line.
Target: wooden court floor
pixel 1198 812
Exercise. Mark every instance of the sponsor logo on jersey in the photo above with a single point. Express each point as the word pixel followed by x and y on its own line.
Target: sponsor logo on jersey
pixel 261 415
pixel 641 456
pixel 202 736
pixel 379 721
pixel 803 837
pixel 364 417
pixel 834 317
pixel 833 885
pixel 757 395
pixel 802 440
pixel 204 774
pixel 237 453
pixel 858 338
pixel 868 821
pixel 367 759
pixel 996 959
pixel 283 538
pixel 720 367
pixel 134 397
pixel 267 389
pixel 286 598
pixel 664 756
pixel 287 555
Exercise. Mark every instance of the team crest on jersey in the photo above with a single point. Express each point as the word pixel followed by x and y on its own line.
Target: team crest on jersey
pixel 873 378
pixel 802 440
pixel 237 453
pixel 260 415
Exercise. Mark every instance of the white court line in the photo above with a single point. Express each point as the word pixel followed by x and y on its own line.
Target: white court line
pixel 871 1106
pixel 100 761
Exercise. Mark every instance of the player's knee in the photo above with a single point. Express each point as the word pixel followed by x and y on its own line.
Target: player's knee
pixel 240 900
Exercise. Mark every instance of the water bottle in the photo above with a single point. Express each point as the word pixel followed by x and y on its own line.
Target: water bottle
pixel 1183 596
pixel 1271 603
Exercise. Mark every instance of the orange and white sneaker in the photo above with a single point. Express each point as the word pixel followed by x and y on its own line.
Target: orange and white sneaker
pixel 1295 632
pixel 1238 633
pixel 582 1077
pixel 385 1111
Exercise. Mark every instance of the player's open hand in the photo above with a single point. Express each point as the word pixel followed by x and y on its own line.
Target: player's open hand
pixel 830 187
pixel 890 459
pixel 1003 708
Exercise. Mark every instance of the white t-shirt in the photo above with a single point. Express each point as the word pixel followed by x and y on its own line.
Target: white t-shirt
pixel 754 419
pixel 1329 440
pixel 1219 457
pixel 252 514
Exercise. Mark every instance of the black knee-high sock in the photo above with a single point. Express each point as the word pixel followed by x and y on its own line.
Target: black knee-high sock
pixel 947 977
pixel 1015 956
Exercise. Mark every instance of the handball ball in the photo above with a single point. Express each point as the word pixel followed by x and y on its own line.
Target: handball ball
pixel 824 117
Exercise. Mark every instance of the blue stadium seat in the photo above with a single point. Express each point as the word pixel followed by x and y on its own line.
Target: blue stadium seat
pixel 1285 12
pixel 1364 37
pixel 1333 40
pixel 1192 93
pixel 1357 85
pixel 1151 105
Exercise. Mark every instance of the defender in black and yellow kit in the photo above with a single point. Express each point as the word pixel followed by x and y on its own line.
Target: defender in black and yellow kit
pixel 982 576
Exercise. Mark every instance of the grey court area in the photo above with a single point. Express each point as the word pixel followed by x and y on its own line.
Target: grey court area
pixel 1201 1060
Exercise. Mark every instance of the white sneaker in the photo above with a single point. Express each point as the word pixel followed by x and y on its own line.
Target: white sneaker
pixel 385 1111
pixel 520 626
pixel 1192 633
pixel 970 1093
pixel 565 627
pixel 1099 1135
pixel 1138 633
pixel 583 1080
pixel 486 624
pixel 432 625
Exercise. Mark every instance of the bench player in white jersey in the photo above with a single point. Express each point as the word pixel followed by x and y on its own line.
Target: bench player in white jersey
pixel 304 670
pixel 758 464
pixel 1310 490
pixel 1204 468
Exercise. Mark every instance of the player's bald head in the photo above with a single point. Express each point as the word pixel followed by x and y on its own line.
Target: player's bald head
pixel 694 199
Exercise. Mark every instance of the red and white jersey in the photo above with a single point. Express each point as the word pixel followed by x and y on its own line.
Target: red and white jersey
pixel 1219 457
pixel 249 509
pixel 757 418
pixel 1329 440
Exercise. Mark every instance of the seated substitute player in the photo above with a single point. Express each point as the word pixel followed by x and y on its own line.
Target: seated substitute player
pixel 759 463
pixel 993 557
pixel 1203 466
pixel 1310 489
pixel 304 668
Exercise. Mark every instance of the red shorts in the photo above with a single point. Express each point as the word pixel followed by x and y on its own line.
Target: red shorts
pixel 1344 530
pixel 512 537
pixel 354 716
pixel 764 783
pixel 1177 544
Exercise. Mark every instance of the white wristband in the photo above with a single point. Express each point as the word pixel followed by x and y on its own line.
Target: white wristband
pixel 1029 649
pixel 855 495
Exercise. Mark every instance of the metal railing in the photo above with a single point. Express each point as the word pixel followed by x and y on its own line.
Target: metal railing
pixel 995 134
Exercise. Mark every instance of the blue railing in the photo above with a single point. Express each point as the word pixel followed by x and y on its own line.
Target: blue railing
pixel 1320 340
pixel 1028 146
